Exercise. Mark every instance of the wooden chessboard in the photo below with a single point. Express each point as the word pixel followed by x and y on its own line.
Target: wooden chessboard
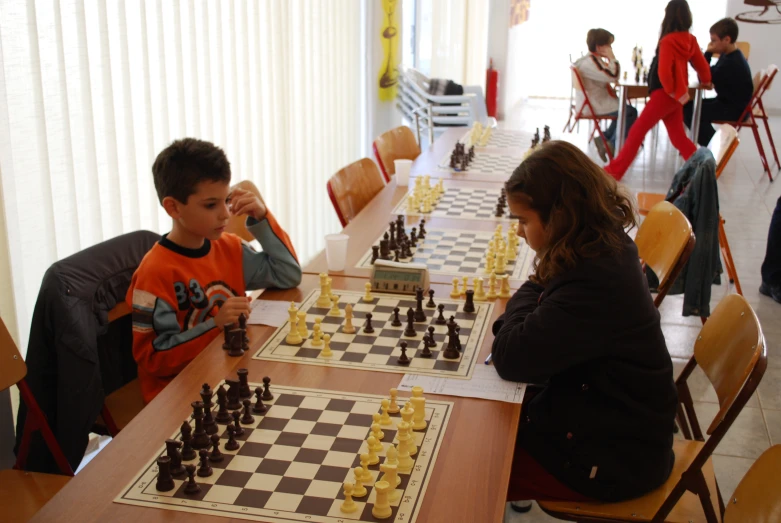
pixel 379 350
pixel 292 462
pixel 466 203
pixel 460 253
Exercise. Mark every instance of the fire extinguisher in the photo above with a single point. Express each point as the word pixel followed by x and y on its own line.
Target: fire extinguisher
pixel 491 82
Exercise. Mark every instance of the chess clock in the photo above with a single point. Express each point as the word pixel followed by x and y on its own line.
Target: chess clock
pixel 398 277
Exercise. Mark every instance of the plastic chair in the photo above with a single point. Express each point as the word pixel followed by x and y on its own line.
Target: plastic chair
pixel 353 187
pixel 665 242
pixel 586 111
pixel 23 493
pixel 731 351
pixel 723 146
pixel 756 111
pixel 396 144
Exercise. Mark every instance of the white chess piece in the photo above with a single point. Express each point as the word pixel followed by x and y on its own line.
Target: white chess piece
pixel 348 328
pixel 348 506
pixel 324 300
pixel 293 337
pixel 335 310
pixel 368 296
pixel 326 352
pixel 455 293
pixel 317 333
pixel 504 291
pixel 302 330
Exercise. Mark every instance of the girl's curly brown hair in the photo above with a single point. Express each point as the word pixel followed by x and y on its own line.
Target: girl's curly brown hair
pixel 584 210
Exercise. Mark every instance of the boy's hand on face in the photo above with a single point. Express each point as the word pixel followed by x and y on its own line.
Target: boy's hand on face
pixel 606 51
pixel 711 48
pixel 231 310
pixel 246 202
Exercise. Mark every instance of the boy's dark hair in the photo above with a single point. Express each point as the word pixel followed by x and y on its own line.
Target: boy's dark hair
pixel 597 37
pixel 677 17
pixel 181 166
pixel 724 28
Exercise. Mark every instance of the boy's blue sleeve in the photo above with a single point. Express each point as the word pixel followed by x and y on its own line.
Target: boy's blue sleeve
pixel 276 265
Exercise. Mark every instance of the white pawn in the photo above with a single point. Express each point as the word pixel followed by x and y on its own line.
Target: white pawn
pixel 393 408
pixel 489 262
pixel 335 310
pixel 376 421
pixel 384 418
pixel 371 444
pixel 366 475
pixel 368 296
pixel 501 264
pixel 479 290
pixel 465 279
pixel 348 505
pixel 359 491
pixel 302 325
pixel 504 291
pixel 492 286
pixel 326 352
pixel 348 321
pixel 455 293
pixel 317 333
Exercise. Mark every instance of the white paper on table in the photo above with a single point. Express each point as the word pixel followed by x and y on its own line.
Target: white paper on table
pixel 269 312
pixel 485 384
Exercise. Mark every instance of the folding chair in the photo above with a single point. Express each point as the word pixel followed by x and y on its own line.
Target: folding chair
pixel 353 187
pixel 731 351
pixel 396 144
pixel 586 111
pixel 23 493
pixel 665 242
pixel 723 145
pixel 756 111
pixel 758 495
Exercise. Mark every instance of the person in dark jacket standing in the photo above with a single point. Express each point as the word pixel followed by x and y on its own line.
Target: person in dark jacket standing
pixel 731 77
pixel 584 327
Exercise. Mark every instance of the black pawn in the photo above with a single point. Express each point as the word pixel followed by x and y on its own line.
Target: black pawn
pixel 441 318
pixel 396 255
pixel 237 424
pixel 247 418
pixel 410 330
pixel 469 304
pixel 431 304
pixel 422 231
pixel 431 341
pixel 259 408
pixel 223 416
pixel 420 314
pixel 396 322
pixel 375 253
pixel 208 420
pixel 244 390
pixel 204 470
pixel 267 396
pixel 188 452
pixel 426 352
pixel 232 443
pixel 392 244
pixel 216 456
pixel 499 210
pixel 164 480
pixel 234 399
pixel 403 359
pixel 414 237
pixel 367 328
pixel 192 487
pixel 172 447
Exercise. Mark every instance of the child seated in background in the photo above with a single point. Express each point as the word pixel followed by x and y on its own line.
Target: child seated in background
pixel 192 283
pixel 585 328
pixel 599 70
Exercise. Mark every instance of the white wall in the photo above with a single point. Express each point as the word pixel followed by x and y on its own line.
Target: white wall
pixel 498 33
pixel 765 40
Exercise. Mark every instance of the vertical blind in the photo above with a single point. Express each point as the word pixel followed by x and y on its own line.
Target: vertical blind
pixel 459 36
pixel 92 90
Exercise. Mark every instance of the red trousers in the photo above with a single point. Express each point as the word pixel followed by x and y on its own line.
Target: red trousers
pixel 660 107
pixel 529 481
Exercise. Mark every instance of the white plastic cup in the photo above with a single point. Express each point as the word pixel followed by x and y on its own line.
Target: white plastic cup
pixel 336 251
pixel 403 168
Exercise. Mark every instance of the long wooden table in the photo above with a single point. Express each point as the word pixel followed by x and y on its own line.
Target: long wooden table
pixel 469 478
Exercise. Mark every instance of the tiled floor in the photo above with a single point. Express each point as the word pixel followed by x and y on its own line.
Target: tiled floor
pixel 747 200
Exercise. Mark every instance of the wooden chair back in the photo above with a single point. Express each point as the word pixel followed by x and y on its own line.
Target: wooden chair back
pixel 756 499
pixel 745 48
pixel 723 145
pixel 351 188
pixel 238 224
pixel 12 366
pixel 664 242
pixel 396 144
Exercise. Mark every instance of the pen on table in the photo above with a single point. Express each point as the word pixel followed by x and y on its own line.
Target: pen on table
pixel 488 359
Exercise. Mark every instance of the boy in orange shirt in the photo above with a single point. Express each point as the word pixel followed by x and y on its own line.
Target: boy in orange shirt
pixel 193 282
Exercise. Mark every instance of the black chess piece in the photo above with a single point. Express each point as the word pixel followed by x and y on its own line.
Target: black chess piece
pixel 458 338
pixel 227 337
pixel 223 416
pixel 420 314
pixel 441 318
pixel 234 400
pixel 396 322
pixel 172 447
pixel 188 452
pixel 384 250
pixel 375 253
pixel 200 438
pixel 216 456
pixel 422 230
pixel 204 470
pixel 499 210
pixel 396 255
pixel 432 343
pixel 237 342
pixel 164 480
pixel 243 328
pixel 413 237
pixel 469 304
pixel 237 422
pixel 197 408
pixel 407 249
pixel 431 304
pixel 394 244
pixel 451 352
pixel 426 352
pixel 232 443
pixel 259 408
pixel 208 420
pixel 368 329
pixel 247 418
pixel 244 391
pixel 403 359
pixel 410 330
pixel 192 487
pixel 267 395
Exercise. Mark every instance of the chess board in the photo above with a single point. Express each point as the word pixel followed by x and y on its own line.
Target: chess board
pixel 499 138
pixel 460 253
pixel 292 462
pixel 486 164
pixel 379 350
pixel 465 203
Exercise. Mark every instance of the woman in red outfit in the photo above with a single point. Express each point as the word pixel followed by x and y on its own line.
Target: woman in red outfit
pixel 668 85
